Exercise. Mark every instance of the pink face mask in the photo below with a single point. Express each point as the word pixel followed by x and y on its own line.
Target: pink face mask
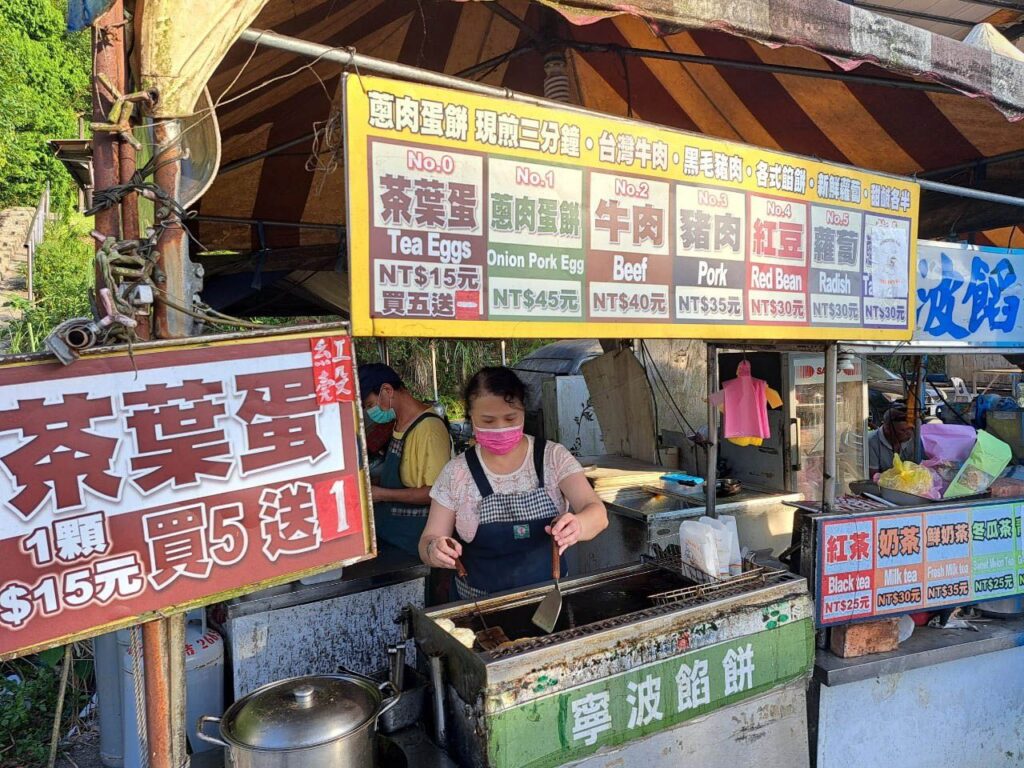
pixel 499 441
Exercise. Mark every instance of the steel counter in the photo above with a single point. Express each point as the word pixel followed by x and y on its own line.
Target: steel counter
pixel 317 628
pixel 632 673
pixel 638 520
pixel 944 697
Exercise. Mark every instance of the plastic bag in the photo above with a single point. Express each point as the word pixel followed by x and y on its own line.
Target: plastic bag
pixel 735 556
pixel 943 472
pixel 699 547
pixel 908 477
pixel 986 462
pixel 723 541
pixel 948 442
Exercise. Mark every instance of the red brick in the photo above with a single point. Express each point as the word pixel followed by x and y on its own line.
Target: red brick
pixel 868 637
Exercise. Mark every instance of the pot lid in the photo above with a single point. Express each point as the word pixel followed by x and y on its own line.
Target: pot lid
pixel 302 712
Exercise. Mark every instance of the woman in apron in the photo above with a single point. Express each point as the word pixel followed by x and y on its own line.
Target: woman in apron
pixel 498 505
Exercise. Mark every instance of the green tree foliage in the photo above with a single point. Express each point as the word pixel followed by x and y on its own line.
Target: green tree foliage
pixel 28 703
pixel 44 86
pixel 62 278
pixel 457 361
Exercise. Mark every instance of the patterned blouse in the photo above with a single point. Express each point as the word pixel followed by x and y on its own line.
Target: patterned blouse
pixel 455 489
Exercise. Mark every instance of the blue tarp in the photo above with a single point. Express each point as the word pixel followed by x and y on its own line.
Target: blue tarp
pixel 82 13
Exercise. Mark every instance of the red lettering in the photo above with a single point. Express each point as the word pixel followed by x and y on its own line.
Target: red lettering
pixel 177 434
pixel 61 454
pixel 279 410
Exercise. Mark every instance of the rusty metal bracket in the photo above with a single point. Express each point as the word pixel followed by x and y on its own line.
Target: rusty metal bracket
pixel 119 118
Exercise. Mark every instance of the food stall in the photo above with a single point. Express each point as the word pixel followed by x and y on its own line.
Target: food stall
pixel 508 217
pixel 480 212
pixel 647 662
pixel 896 554
pixel 759 484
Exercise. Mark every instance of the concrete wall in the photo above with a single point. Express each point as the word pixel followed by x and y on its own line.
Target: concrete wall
pixel 967 713
pixel 769 731
pixel 683 366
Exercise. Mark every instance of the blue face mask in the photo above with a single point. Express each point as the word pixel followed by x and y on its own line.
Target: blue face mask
pixel 378 415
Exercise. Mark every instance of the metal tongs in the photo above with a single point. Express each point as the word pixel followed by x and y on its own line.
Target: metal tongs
pixel 489 637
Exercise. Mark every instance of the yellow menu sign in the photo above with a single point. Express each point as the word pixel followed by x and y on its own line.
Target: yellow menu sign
pixel 472 216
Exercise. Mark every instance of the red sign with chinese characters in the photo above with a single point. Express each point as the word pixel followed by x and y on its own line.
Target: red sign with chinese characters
pixel 897 562
pixel 130 486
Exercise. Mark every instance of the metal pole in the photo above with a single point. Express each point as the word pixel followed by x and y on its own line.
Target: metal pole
pixel 437 682
pixel 780 69
pixel 158 706
pixel 130 203
pixel 176 663
pixel 831 403
pixel 921 396
pixel 270 223
pixel 244 161
pixel 359 62
pixel 172 245
pixel 81 191
pixel 711 484
pixel 107 59
pixel 976 194
pixel 369 64
pixel 504 354
pixel 981 162
pixel 433 367
pixel 130 227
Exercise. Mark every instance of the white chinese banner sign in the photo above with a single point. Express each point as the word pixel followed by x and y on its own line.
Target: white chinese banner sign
pixel 969 295
pixel 166 479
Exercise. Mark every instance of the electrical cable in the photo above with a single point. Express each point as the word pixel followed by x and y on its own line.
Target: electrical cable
pixel 668 393
pixel 207 315
pixel 644 357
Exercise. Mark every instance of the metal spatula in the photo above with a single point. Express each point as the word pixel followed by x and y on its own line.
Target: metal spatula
pixel 546 615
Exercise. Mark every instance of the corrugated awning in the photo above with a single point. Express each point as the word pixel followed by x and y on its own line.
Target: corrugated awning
pixel 842 32
pixel 703 79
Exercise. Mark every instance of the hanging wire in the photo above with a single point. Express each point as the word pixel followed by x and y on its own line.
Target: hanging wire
pixel 207 112
pixel 1009 240
pixel 668 393
pixel 127 264
pixel 645 356
pixel 328 140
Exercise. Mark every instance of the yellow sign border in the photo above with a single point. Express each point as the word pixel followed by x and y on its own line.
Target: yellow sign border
pixel 356 114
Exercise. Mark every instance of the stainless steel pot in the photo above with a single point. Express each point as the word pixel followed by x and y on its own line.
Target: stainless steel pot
pixel 317 721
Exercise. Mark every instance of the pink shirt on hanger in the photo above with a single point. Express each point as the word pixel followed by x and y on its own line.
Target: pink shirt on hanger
pixel 746 404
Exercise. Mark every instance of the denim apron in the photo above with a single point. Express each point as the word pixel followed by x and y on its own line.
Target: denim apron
pixel 400 525
pixel 510 549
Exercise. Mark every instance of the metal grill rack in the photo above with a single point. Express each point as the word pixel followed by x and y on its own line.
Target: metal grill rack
pixel 707 587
